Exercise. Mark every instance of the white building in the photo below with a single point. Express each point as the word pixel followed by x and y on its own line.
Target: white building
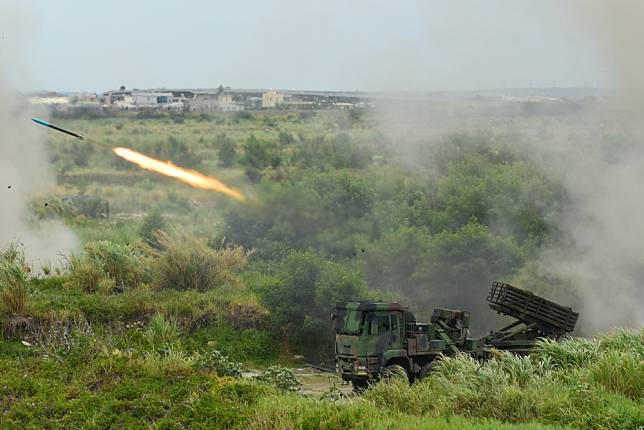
pixel 151 100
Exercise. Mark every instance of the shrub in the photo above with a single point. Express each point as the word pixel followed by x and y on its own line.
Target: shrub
pixel 63 334
pixel 280 377
pixel 107 264
pixel 14 278
pixel 215 361
pixel 161 333
pixel 152 223
pixel 242 114
pixel 188 263
pixel 302 295
pixel 85 274
pixel 173 362
pixel 227 151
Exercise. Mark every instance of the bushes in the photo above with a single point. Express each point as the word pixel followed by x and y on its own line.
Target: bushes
pixel 214 361
pixel 302 295
pixel 227 151
pixel 107 266
pixel 161 333
pixel 250 344
pixel 188 263
pixel 152 224
pixel 14 278
pixel 280 377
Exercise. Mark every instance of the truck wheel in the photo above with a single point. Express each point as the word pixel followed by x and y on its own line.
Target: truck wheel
pixel 394 371
pixel 359 385
pixel 425 370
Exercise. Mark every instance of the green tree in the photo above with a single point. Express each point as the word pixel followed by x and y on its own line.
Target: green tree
pixel 259 155
pixel 227 151
pixel 152 224
pixel 302 295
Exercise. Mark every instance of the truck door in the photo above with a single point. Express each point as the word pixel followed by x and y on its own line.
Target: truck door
pixel 397 336
pixel 386 327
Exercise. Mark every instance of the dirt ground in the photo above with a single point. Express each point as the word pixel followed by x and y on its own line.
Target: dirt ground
pixel 314 382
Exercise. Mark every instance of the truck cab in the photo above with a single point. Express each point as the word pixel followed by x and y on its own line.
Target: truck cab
pixel 374 338
pixel 369 337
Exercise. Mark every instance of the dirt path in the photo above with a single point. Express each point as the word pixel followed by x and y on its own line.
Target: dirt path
pixel 315 383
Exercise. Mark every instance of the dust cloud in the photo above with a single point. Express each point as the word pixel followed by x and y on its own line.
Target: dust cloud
pixel 598 155
pixel 24 166
pixel 604 174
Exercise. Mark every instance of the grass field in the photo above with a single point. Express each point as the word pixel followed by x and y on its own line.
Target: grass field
pixel 152 321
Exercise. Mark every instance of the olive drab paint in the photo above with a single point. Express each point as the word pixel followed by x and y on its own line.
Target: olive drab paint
pixel 373 338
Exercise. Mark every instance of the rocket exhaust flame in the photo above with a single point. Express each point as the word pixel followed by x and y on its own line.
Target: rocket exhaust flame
pixel 190 177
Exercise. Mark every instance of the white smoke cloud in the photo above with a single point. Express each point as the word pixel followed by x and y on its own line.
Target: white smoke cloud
pixel 24 166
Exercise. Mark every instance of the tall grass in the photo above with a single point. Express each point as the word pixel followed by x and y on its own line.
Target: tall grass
pixel 162 332
pixel 583 383
pixel 188 263
pixel 14 279
pixel 110 265
pixel 298 412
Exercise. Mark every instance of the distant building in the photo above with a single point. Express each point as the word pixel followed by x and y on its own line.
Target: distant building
pixel 343 105
pixel 152 100
pixel 208 102
pixel 271 99
pixel 49 100
pixel 121 99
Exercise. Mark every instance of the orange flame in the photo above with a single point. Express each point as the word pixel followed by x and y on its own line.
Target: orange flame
pixel 190 177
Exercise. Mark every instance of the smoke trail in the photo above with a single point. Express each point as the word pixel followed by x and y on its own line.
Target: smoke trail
pixel 24 168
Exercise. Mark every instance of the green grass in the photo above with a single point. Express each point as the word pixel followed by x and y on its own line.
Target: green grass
pixel 295 412
pixel 151 376
pixel 118 338
pixel 557 385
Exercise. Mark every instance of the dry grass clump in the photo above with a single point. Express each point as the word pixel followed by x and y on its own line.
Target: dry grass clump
pixel 14 281
pixel 186 262
pixel 59 333
pixel 162 333
pixel 108 266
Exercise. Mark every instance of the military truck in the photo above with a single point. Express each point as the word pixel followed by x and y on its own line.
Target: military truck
pixel 375 339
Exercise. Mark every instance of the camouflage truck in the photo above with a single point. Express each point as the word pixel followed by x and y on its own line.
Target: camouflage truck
pixel 374 339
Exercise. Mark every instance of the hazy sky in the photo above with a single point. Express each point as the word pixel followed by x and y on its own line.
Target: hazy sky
pixel 331 44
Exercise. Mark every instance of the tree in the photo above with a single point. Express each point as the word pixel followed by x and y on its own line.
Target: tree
pixel 259 155
pixel 302 296
pixel 227 151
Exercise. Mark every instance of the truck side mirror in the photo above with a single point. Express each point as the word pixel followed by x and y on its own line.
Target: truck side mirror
pixel 333 317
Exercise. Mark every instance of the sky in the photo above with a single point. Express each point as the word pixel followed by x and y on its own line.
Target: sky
pixel 368 45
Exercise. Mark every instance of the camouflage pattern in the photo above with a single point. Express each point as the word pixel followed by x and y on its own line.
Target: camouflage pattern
pixel 372 336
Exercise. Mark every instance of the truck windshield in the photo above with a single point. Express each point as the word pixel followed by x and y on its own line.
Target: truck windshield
pixel 351 323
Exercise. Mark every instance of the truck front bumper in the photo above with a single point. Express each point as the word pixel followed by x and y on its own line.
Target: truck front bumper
pixel 352 367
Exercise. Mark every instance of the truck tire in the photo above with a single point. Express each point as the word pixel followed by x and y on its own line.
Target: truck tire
pixel 393 371
pixel 426 369
pixel 359 385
